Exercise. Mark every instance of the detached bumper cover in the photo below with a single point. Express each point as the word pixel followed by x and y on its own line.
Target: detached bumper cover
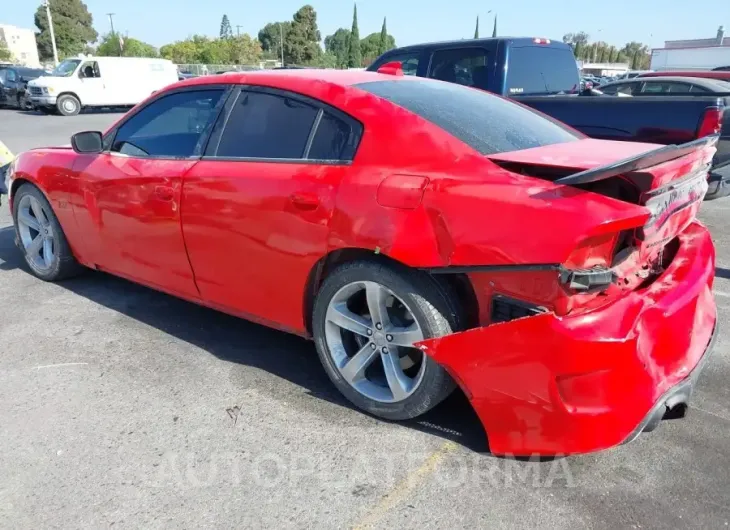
pixel 564 385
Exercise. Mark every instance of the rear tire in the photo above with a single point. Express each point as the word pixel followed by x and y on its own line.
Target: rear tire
pixel 41 238
pixel 393 382
pixel 68 105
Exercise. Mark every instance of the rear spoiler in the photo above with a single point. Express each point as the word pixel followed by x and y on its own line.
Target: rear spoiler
pixel 639 162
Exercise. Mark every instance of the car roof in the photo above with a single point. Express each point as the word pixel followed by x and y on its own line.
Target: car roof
pixel 292 79
pixel 465 43
pixel 711 84
pixel 708 74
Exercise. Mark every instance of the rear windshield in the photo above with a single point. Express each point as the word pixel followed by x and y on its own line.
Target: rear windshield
pixel 488 123
pixel 534 70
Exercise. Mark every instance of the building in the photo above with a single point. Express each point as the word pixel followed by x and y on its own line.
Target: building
pixel 603 69
pixel 719 40
pixel 21 43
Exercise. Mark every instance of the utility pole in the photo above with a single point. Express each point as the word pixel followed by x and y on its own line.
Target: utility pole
pixel 53 35
pixel 114 35
pixel 281 30
pixel 238 30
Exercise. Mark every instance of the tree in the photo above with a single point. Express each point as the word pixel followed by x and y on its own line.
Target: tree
pixel 370 47
pixel 384 43
pixel 301 45
pixel 241 49
pixel 5 54
pixel 270 37
pixel 354 57
pixel 337 45
pixel 494 31
pixel 109 47
pixel 476 31
pixel 638 55
pixel 226 30
pixel 578 50
pixel 72 25
pixel 198 49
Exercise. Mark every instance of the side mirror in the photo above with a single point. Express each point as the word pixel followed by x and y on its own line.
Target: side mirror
pixel 87 142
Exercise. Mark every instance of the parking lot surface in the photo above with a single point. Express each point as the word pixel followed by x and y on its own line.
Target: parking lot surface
pixel 123 406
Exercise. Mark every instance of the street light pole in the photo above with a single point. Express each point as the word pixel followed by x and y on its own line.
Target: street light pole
pixel 53 35
pixel 281 30
pixel 114 35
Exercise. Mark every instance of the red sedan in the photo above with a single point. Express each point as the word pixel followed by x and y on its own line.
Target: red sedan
pixel 424 234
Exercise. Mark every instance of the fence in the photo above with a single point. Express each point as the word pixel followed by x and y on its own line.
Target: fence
pixel 207 69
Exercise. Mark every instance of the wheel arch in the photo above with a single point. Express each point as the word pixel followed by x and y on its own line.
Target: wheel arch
pixel 70 93
pixel 457 285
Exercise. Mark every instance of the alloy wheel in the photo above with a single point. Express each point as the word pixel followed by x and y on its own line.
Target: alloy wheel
pixel 36 233
pixel 370 335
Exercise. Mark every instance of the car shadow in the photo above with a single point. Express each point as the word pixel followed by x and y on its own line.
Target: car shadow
pixel 239 341
pixel 721 272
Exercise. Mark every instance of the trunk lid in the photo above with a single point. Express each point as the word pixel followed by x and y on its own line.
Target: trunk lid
pixel 670 181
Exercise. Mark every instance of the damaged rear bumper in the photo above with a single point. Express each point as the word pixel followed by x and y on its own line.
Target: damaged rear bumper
pixel 553 385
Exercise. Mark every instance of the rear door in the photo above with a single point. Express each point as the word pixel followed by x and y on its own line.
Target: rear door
pixel 130 196
pixel 256 209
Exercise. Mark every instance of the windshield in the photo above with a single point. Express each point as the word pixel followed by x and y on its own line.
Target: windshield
pixel 541 70
pixel 488 123
pixel 66 68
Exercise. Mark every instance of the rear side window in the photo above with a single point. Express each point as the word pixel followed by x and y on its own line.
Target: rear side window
pixel 334 139
pixel 465 66
pixel 541 70
pixel 267 126
pixel 486 122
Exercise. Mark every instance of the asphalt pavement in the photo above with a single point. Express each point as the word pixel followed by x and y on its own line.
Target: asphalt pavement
pixel 123 406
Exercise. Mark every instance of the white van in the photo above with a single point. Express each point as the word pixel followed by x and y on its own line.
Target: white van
pixel 100 82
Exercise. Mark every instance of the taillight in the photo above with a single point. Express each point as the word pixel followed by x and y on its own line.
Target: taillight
pixel 711 122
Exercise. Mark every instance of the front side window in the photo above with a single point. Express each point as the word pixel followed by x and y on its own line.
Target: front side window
pixel 464 66
pixel 619 88
pixel 263 125
pixel 90 70
pixel 170 126
pixel 659 87
pixel 10 75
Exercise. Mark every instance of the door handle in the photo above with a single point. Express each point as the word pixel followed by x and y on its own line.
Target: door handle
pixel 305 201
pixel 164 193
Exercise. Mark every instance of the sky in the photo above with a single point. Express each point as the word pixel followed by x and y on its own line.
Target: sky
pixel 410 21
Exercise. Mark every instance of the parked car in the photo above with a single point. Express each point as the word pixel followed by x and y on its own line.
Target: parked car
pixel 527 70
pixel 100 82
pixel 719 75
pixel 13 84
pixel 562 281
pixel 652 86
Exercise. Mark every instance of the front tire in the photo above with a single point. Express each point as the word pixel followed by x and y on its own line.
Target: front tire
pixel 68 105
pixel 367 316
pixel 40 236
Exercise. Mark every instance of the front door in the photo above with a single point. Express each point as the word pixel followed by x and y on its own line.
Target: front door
pixel 130 196
pixel 91 90
pixel 257 207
